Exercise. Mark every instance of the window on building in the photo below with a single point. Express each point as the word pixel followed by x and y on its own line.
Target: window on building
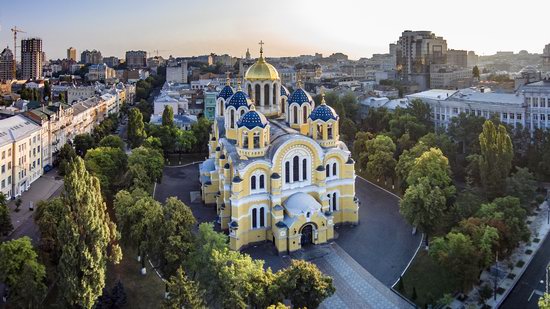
pixel 334 169
pixel 334 202
pixel 3 155
pixel 287 172
pixel 256 140
pixel 296 169
pixel 518 117
pixel 3 168
pixel 304 113
pixel 329 131
pixel 9 166
pixel 253 183
pixel 504 115
pixel 254 218
pixel 304 169
pixel 232 119
pixel 9 180
pixel 327 170
pixel 3 183
pixel 262 182
pixel 262 216
pixel 295 114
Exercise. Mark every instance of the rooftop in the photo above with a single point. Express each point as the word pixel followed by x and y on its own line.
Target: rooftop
pixel 16 127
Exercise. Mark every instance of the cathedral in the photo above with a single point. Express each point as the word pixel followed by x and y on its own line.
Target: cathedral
pixel 277 170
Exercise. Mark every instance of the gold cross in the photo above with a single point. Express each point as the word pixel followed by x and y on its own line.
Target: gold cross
pixel 261 46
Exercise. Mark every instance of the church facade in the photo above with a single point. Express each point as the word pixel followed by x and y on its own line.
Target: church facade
pixel 276 170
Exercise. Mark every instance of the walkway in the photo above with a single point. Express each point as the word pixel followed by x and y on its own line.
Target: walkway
pixel 355 287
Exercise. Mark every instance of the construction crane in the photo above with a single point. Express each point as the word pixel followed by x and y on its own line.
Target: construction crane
pixel 15 31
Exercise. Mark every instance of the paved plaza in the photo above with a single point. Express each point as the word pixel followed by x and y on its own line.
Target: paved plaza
pixel 364 260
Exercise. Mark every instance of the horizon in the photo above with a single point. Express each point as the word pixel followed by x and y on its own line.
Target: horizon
pixel 166 27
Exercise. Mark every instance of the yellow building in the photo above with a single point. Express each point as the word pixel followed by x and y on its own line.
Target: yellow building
pixel 277 171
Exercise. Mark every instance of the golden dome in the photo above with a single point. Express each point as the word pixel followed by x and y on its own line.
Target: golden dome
pixel 261 70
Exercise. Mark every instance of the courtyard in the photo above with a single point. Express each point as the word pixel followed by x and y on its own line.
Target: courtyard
pixel 364 260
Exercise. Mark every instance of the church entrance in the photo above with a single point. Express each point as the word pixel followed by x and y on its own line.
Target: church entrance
pixel 307 235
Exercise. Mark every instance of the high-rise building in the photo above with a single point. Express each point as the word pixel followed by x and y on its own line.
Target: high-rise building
pixel 473 59
pixel 31 58
pixel 71 53
pixel 457 58
pixel 136 59
pixel 6 65
pixel 546 58
pixel 91 57
pixel 416 51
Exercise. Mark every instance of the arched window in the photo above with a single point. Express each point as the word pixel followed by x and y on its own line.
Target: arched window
pixel 220 112
pixel 327 170
pixel 320 131
pixel 257 90
pixel 262 216
pixel 242 112
pixel 274 94
pixel 250 90
pixel 253 183
pixel 304 113
pixel 232 119
pixel 283 103
pixel 287 172
pixel 296 169
pixel 254 218
pixel 267 95
pixel 262 182
pixel 304 169
pixel 256 140
pixel 334 202
pixel 245 139
pixel 295 114
pixel 334 169
pixel 329 131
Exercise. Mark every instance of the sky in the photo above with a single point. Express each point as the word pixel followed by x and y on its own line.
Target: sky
pixel 288 27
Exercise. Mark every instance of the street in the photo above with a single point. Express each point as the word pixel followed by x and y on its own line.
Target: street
pixel 531 285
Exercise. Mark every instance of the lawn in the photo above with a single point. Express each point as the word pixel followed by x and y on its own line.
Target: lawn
pixel 430 280
pixel 142 291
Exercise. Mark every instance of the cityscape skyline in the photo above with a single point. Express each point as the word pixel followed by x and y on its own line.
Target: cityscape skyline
pixel 352 31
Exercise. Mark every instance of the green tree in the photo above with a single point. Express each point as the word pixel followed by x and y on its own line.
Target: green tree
pixel 430 191
pixel 22 273
pixel 201 130
pixel 380 151
pixel 168 116
pixel 496 159
pixel 465 129
pixel 475 72
pixel 112 141
pixel 89 239
pixel 185 141
pixel 65 157
pixel 377 120
pixel 145 166
pixel 544 301
pixel 348 129
pixel 522 184
pixel 152 142
pixel 183 293
pixel 178 234
pixel 407 160
pixel 107 164
pixel 483 236
pixel 457 253
pixel 48 215
pixel 5 220
pixel 304 284
pixel 359 147
pixel 83 142
pixel 136 128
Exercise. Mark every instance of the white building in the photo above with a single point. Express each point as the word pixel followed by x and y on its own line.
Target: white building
pixel 111 102
pixel 450 78
pixel 177 74
pixel 76 93
pixel 100 72
pixel 20 150
pixel 180 105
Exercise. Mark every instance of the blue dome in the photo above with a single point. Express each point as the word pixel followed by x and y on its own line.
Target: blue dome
pixel 324 113
pixel 226 92
pixel 252 119
pixel 300 96
pixel 237 100
pixel 284 91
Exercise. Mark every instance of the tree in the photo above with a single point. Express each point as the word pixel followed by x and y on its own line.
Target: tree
pixel 89 239
pixel 48 215
pixel 457 253
pixel 465 129
pixel 83 142
pixel 65 157
pixel 201 130
pixel 348 128
pixel 496 159
pixel 145 166
pixel 430 191
pixel 5 220
pixel 112 141
pixel 107 164
pixel 544 301
pixel 407 160
pixel 206 241
pixel 185 141
pixel 183 293
pixel 178 234
pixel 152 142
pixel 22 273
pixel 475 72
pixel 522 184
pixel 359 147
pixel 377 120
pixel 380 151
pixel 168 116
pixel 136 128
pixel 304 284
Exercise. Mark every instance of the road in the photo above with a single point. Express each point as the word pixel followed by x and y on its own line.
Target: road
pixel 527 291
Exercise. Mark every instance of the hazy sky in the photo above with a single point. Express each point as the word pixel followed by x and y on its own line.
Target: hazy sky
pixel 289 27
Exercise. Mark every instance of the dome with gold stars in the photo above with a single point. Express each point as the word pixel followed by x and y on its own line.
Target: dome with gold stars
pixel 261 70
